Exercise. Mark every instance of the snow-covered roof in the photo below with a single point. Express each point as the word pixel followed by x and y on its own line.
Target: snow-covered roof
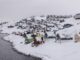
pixel 50 24
pixel 40 18
pixel 70 31
pixel 50 33
pixel 69 21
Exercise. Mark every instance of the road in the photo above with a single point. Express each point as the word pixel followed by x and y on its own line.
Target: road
pixel 7 53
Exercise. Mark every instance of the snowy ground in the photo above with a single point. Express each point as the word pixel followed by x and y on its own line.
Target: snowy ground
pixel 67 50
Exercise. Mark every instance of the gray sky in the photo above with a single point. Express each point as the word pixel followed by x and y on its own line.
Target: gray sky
pixel 26 8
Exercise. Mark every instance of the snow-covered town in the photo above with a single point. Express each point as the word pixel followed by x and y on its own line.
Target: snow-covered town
pixel 50 37
pixel 39 30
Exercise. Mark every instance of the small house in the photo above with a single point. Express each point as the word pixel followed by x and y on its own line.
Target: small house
pixel 77 16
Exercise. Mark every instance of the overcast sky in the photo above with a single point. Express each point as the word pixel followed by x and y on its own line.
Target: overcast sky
pixel 26 8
